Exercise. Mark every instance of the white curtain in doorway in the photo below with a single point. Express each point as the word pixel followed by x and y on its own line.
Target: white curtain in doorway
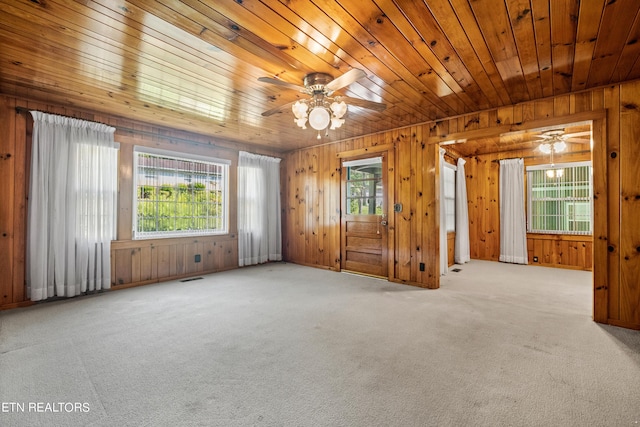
pixel 513 226
pixel 444 257
pixel 462 252
pixel 259 217
pixel 71 212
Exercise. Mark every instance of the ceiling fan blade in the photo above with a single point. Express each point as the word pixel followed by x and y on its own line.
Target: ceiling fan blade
pixel 357 102
pixel 573 135
pixel 282 83
pixel 345 80
pixel 279 109
pixel 578 140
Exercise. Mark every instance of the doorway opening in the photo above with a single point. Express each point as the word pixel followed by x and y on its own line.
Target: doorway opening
pixel 558 192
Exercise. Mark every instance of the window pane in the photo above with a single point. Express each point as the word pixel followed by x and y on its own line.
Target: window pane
pixel 560 200
pixel 179 196
pixel 449 176
pixel 364 189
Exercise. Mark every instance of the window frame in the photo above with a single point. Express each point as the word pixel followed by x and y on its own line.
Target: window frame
pixel 189 157
pixel 548 166
pixel 452 168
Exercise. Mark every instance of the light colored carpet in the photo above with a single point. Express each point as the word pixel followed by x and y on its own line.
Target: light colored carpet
pixel 285 345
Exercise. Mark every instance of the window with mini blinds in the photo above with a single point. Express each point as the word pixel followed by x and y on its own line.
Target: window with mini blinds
pixel 179 195
pixel 560 200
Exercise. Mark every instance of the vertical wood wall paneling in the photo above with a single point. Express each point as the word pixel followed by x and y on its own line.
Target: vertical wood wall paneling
pixel 451 250
pixel 630 204
pixel 403 195
pixel 601 240
pixel 391 215
pixel 133 262
pixel 484 215
pixel 22 158
pixel 415 149
pixel 612 103
pixel 430 216
pixel 621 138
pixel 8 206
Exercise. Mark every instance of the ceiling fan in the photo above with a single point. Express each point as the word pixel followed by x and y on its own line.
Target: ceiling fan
pixel 322 108
pixel 556 140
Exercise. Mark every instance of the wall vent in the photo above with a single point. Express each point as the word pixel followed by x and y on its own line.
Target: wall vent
pixel 190 279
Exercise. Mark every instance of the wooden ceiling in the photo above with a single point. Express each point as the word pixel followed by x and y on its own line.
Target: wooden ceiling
pixel 194 65
pixel 577 137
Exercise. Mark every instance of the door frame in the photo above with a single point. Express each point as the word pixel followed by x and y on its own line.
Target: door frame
pixel 388 150
pixel 606 238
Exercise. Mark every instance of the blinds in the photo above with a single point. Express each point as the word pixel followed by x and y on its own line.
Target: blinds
pixel 560 199
pixel 449 174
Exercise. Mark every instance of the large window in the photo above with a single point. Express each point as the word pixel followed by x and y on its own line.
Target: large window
pixel 179 195
pixel 560 198
pixel 449 176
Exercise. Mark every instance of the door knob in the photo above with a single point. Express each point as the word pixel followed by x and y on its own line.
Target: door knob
pixel 383 222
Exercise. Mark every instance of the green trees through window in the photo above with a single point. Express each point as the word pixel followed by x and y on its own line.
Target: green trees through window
pixel 179 197
pixel 364 190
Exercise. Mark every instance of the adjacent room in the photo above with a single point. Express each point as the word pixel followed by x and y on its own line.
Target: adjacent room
pixel 319 212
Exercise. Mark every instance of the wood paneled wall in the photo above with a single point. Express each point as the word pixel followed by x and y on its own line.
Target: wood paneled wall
pixel 553 250
pixel 311 203
pixel 311 188
pixel 137 262
pixel 133 261
pixel 311 192
pixel 484 213
pixel 451 248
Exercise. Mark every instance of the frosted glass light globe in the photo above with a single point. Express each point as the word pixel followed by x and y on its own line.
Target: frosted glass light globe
pixel 339 109
pixel 299 109
pixel 336 122
pixel 319 118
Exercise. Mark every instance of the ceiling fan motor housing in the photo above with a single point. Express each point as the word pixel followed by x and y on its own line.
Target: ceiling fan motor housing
pixel 315 82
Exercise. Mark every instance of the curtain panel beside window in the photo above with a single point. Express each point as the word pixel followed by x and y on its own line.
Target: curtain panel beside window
pixel 71 212
pixel 444 254
pixel 462 251
pixel 259 216
pixel 513 225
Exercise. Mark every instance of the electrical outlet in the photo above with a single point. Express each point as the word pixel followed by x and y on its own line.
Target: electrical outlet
pixel 535 259
pixel 198 258
pixel 422 266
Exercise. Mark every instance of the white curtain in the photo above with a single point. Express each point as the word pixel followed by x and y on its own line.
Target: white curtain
pixel 444 254
pixel 462 248
pixel 513 226
pixel 259 217
pixel 72 202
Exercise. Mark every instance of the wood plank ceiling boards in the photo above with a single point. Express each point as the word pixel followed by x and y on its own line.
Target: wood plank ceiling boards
pixel 194 65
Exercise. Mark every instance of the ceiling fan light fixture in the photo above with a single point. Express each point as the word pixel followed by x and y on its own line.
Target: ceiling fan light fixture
pixel 336 122
pixel 555 173
pixel 559 146
pixel 319 118
pixel 301 122
pixel 320 109
pixel 339 109
pixel 300 109
pixel 545 148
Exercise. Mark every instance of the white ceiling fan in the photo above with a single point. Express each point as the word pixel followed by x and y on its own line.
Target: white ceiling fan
pixel 322 108
pixel 556 140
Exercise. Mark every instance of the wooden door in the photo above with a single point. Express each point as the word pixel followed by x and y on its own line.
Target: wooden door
pixel 364 216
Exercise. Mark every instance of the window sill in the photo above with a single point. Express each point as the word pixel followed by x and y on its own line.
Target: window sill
pixel 555 236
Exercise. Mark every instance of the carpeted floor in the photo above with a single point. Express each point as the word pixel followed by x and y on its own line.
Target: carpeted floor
pixel 285 345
